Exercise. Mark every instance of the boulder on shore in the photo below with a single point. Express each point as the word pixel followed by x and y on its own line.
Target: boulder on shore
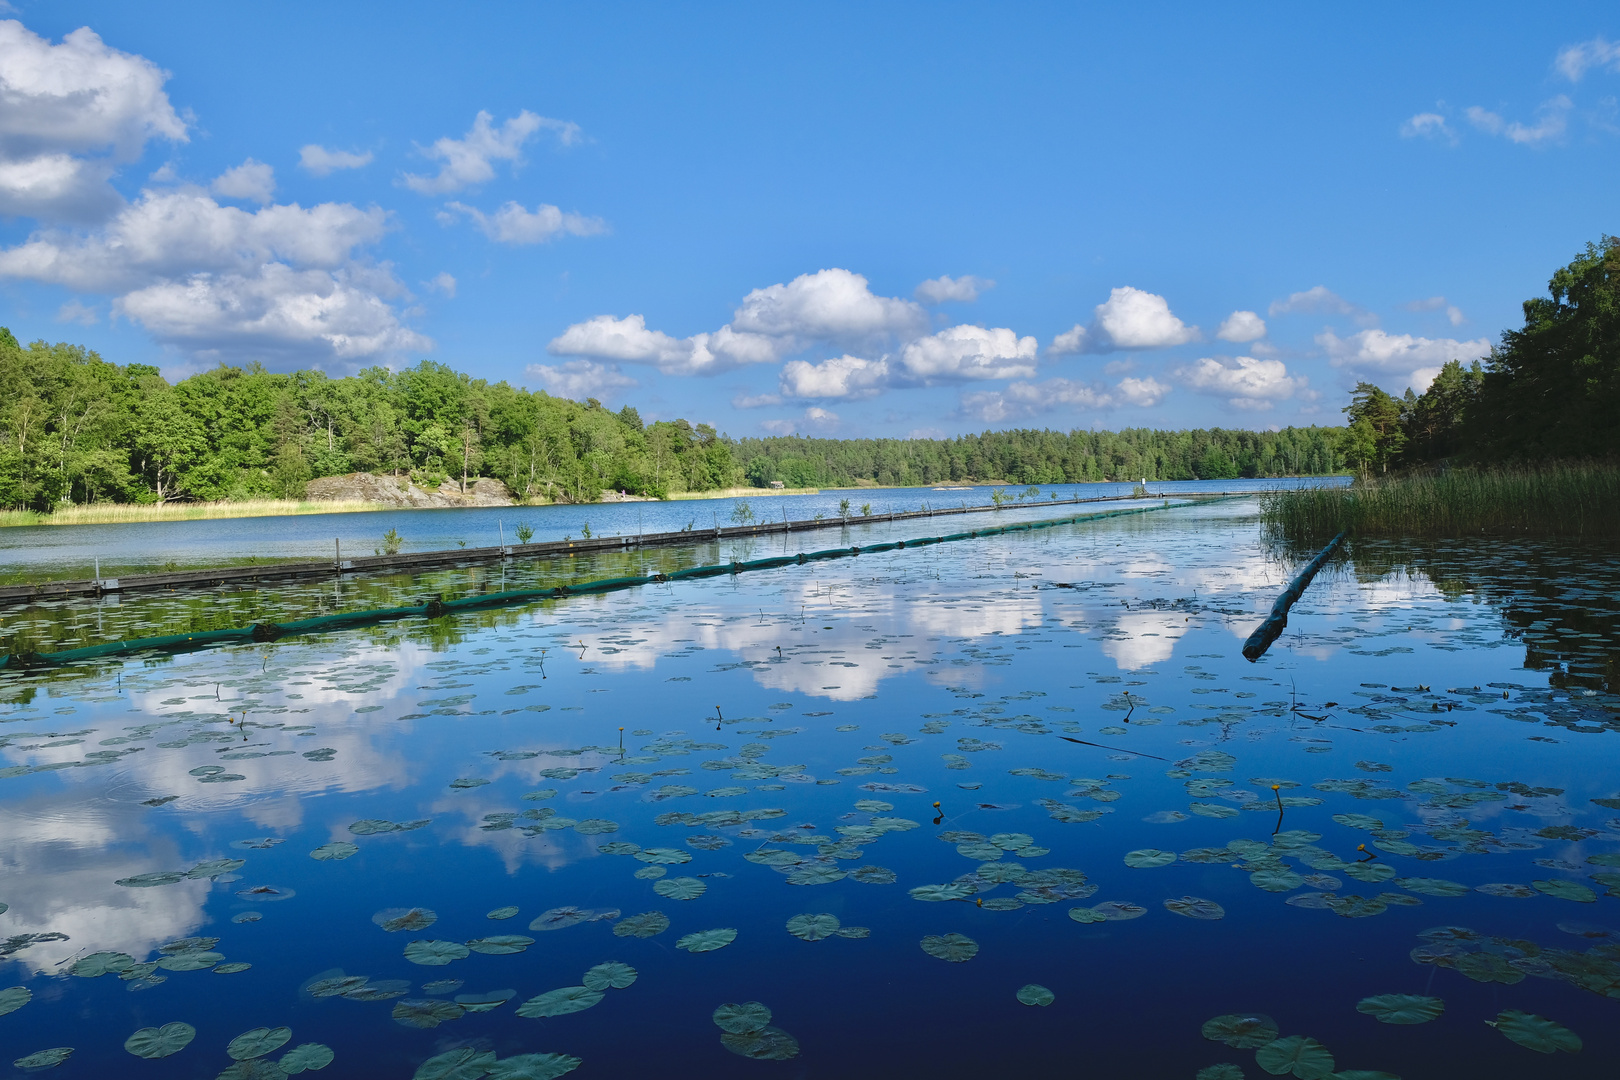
pixel 400 491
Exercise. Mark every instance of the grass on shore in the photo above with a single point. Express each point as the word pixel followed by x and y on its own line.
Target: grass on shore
pixel 1553 499
pixel 121 513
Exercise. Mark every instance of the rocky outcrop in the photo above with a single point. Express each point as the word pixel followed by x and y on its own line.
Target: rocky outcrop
pixel 400 491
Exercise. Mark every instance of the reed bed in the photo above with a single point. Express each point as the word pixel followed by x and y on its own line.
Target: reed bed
pixel 1555 499
pixel 741 492
pixel 121 513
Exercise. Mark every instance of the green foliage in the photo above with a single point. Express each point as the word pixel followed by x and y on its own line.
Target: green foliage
pixel 1549 391
pixel 742 513
pixel 525 532
pixel 391 542
pixel 76 428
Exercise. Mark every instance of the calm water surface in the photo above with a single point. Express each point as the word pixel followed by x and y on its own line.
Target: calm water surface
pixel 72 551
pixel 1437 721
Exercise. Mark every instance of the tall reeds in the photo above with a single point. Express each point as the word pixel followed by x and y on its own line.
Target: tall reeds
pixel 1553 499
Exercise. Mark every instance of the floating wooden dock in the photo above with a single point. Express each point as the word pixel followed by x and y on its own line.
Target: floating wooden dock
pixel 422 560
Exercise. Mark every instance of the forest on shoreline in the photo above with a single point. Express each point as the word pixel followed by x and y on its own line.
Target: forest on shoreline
pixel 77 429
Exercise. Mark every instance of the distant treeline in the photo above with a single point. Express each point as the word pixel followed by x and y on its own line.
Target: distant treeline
pixel 1549 391
pixel 75 428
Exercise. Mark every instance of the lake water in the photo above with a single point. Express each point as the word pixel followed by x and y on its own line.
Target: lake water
pixel 60 551
pixel 436 839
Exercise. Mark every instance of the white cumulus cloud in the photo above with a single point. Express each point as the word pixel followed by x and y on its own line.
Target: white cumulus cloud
pixel 1375 353
pixel 828 306
pixel 470 160
pixel 319 161
pixel 251 180
pixel 1552 121
pixel 69 115
pixel 945 288
pixel 1320 300
pixel 282 282
pixel 841 377
pixel 1129 319
pixel 1242 326
pixel 276 310
pixel 443 282
pixel 513 224
pixel 834 304
pixel 579 379
pixel 969 352
pixel 1245 382
pixel 1428 125
pixel 1576 60
pixel 1144 393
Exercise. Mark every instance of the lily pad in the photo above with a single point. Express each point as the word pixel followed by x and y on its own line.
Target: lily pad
pixel 1194 907
pixel 502 913
pixel 707 940
pixel 236 967
pixel 1223 1071
pixel 680 888
pixel 190 960
pixel 813 927
pixel 953 948
pixel 1243 1031
pixel 1507 889
pixel 1536 1032
pixel 147 881
pixel 663 856
pixel 1371 872
pixel 395 919
pixel 609 975
pixel 465 1063
pixel 1276 880
pixel 44 1059
pixel 1087 915
pixel 13 998
pixel 1149 858
pixel 1566 890
pixel 253 1069
pixel 1356 906
pixel 336 851
pixel 99 963
pixel 568 999
pixel 1429 886
pixel 534 1067
pixel 641 926
pixel 479 1003
pixel 1358 821
pixel 1299 1055
pixel 306 1057
pixel 561 918
pixel 743 1018
pixel 937 893
pixel 873 875
pixel 435 953
pixel 1401 1008
pixel 258 1042
pixel 500 944
pixel 1035 994
pixel 767 1044
pixel 426 1012
pixel 1119 910
pixel 160 1042
pixel 596 827
pixel 816 873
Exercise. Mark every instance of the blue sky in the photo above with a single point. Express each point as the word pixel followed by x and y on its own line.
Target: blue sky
pixel 840 219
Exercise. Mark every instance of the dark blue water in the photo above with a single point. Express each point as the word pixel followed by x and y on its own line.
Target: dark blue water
pixel 1107 716
pixel 61 551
